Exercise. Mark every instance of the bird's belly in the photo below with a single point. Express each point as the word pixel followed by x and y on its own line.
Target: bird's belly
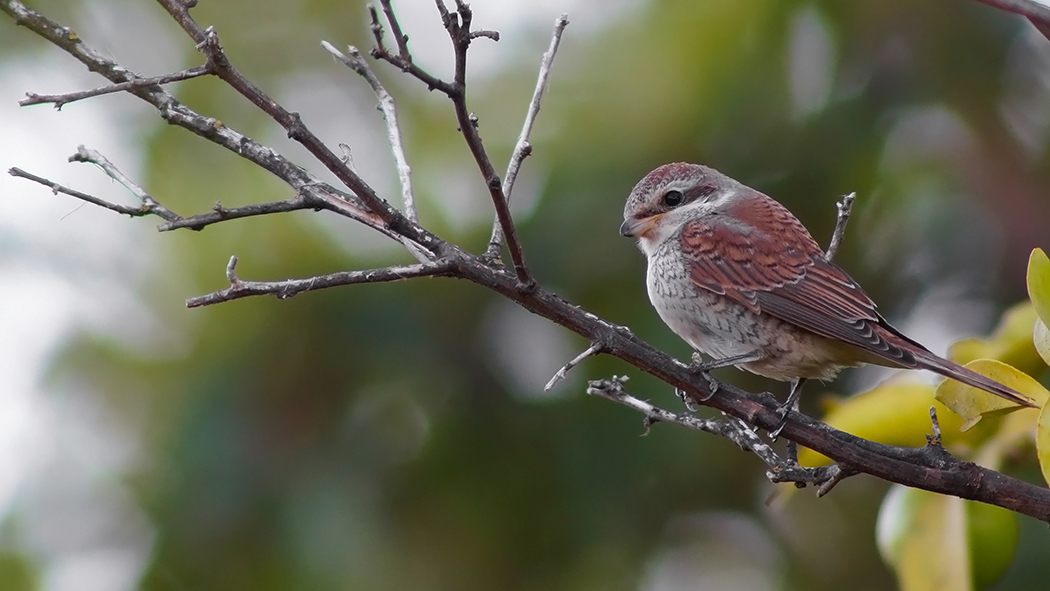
pixel 720 327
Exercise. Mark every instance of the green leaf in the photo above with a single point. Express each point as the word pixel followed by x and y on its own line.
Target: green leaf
pixel 972 403
pixel 1039 283
pixel 935 542
pixel 922 536
pixel 1041 338
pixel 1042 442
pixel 992 536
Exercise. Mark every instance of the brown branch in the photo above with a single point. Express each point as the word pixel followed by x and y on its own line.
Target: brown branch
pixel 208 42
pixel 930 467
pixel 458 27
pixel 287 288
pixel 60 100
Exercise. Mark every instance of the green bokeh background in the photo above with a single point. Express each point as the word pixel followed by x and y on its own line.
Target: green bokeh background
pixel 363 437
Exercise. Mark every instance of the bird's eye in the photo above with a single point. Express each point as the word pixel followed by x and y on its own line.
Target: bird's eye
pixel 673 198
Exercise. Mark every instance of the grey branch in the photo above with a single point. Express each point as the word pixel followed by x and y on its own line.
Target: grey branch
pixel 844 207
pixel 734 429
pixel 59 100
pixel 57 188
pixel 287 288
pixel 522 149
pixel 93 157
pixel 591 351
pixel 356 62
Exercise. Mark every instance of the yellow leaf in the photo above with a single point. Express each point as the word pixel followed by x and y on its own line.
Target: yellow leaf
pixel 1039 283
pixel 1042 442
pixel 972 403
pixel 922 536
pixel 896 412
pixel 1041 338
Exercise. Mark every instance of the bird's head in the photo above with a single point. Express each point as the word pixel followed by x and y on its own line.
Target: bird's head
pixel 670 196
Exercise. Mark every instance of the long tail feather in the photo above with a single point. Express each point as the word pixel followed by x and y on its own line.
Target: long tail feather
pixel 955 371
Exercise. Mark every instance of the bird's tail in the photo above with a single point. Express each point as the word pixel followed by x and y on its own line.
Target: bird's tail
pixel 955 371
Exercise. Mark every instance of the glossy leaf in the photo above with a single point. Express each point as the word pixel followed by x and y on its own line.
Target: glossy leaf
pixel 922 536
pixel 1042 442
pixel 1039 283
pixel 972 403
pixel 935 542
pixel 1041 338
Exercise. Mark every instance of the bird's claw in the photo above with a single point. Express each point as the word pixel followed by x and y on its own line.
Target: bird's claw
pixel 782 411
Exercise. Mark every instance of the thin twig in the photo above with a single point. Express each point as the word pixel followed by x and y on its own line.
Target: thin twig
pixel 93 157
pixel 59 100
pixel 522 149
pixel 734 429
pixel 358 64
pixel 561 374
pixel 935 438
pixel 843 207
pixel 57 188
pixel 287 288
pixel 457 25
pixel 403 59
pixel 208 43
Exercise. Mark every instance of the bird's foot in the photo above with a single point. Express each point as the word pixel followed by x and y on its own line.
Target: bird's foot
pixel 782 411
pixel 686 399
pixel 789 405
pixel 700 366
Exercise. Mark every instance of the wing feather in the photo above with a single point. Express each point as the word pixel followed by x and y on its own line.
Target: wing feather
pixel 757 253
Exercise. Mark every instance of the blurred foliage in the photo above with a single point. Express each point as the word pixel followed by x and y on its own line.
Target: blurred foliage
pixel 369 438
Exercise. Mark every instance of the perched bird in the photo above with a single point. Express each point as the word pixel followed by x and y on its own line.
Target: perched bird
pixel 739 278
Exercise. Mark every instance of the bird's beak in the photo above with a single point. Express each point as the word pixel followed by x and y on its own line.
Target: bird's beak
pixel 638 228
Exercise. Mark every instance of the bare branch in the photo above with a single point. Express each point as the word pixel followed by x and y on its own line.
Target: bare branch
pixel 309 198
pixel 594 349
pixel 522 149
pixel 60 100
pixel 208 42
pixel 92 157
pixel 843 207
pixel 458 27
pixel 403 59
pixel 287 288
pixel 734 429
pixel 935 438
pixel 358 64
pixel 930 467
pixel 57 188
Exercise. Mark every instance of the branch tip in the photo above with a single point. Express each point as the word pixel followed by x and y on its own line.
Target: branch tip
pixel 594 349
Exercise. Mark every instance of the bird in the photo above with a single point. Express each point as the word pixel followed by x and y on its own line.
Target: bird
pixel 739 278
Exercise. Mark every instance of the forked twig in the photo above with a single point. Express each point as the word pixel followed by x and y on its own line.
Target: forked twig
pixel 522 149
